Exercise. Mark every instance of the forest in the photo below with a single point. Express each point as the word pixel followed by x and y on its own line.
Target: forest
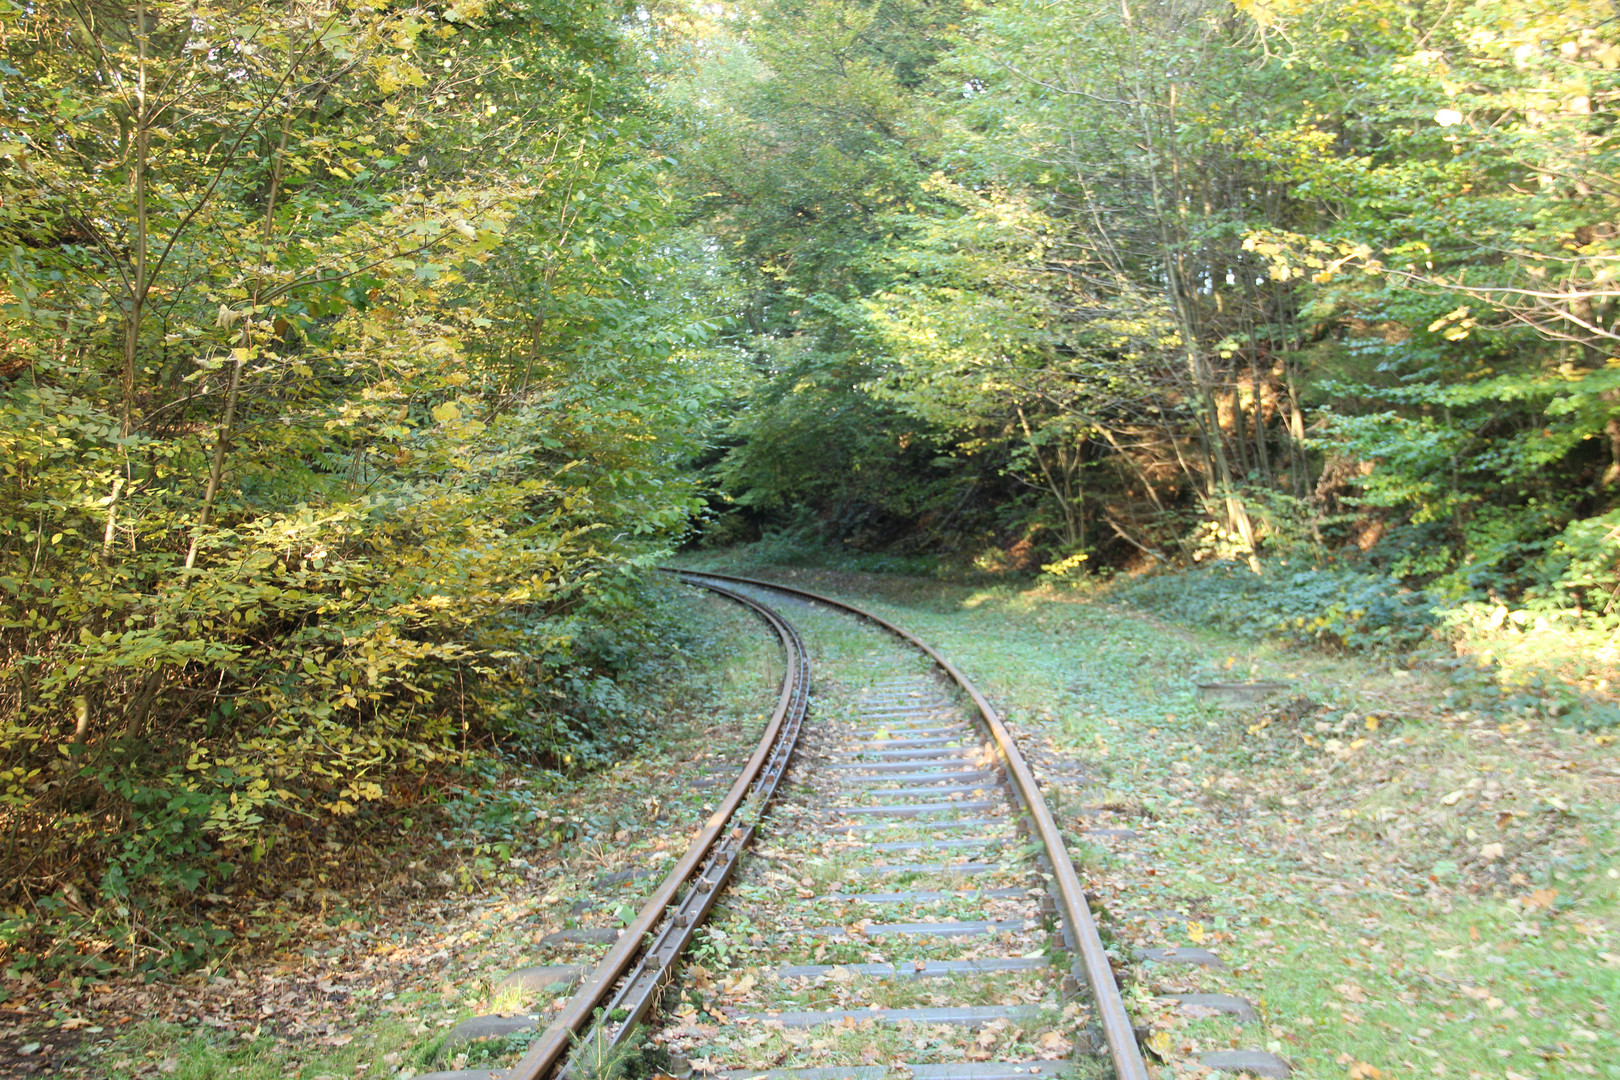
pixel 361 359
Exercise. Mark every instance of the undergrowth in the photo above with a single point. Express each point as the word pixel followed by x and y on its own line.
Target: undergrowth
pixel 150 870
pixel 1332 606
pixel 1552 662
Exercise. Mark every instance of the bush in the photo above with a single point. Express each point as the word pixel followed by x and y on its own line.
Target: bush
pixel 1333 606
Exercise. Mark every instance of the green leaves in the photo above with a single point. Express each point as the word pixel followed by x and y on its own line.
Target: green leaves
pixel 351 373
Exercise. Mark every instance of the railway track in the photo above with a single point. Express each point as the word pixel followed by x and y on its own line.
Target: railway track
pixel 905 907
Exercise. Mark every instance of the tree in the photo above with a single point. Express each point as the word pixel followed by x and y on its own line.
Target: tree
pixel 353 355
pixel 805 131
pixel 1460 168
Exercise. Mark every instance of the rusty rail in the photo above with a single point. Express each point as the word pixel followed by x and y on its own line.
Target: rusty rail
pixel 1099 973
pixel 713 848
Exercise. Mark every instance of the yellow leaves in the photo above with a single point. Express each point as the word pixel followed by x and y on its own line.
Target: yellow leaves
pixel 464 11
pixel 737 988
pixel 446 413
pixel 1159 1042
pixel 1454 325
pixel 1063 568
pixel 393 73
pixel 406 31
pixel 364 791
pixel 1195 933
pixel 1263 12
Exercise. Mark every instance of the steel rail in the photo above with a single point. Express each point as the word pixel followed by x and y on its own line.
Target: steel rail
pixel 1115 1021
pixel 547 1052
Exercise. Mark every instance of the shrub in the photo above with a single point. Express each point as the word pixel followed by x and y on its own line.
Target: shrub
pixel 1334 606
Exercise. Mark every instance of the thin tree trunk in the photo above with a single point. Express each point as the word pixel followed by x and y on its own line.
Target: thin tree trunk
pixel 1261 451
pixel 1065 504
pixel 135 309
pixel 1141 474
pixel 239 356
pixel 138 286
pixel 1237 515
pixel 1240 431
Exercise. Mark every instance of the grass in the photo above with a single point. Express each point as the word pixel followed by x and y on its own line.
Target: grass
pixel 1405 880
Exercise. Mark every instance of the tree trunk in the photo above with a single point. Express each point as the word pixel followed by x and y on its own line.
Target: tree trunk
pixel 1224 488
pixel 239 357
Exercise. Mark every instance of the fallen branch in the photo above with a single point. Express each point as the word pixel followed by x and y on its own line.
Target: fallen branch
pixel 1120 532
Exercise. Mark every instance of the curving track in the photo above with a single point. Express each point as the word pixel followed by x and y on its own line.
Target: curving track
pixel 960 953
pixel 920 773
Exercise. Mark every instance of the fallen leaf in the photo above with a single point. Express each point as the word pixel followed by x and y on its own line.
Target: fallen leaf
pixel 1055 1042
pixel 739 987
pixel 1195 932
pixel 1540 899
pixel 1159 1042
